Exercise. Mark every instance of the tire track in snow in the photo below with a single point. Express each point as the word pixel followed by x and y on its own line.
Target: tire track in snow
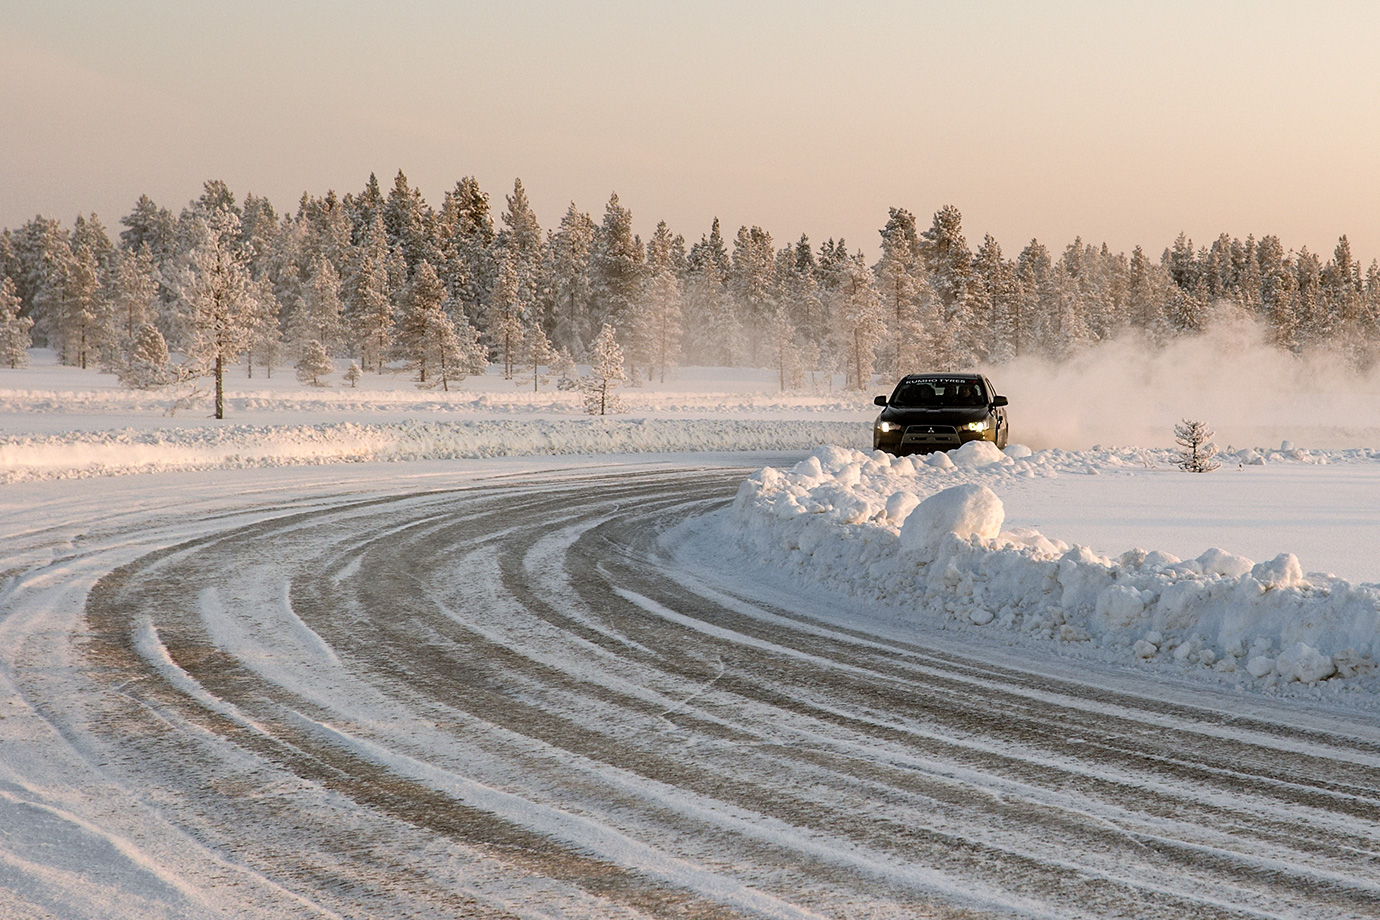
pixel 835 770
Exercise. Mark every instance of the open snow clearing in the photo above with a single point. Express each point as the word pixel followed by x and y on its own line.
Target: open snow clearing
pixel 541 694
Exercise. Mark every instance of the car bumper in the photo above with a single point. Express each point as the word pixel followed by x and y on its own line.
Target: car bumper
pixel 903 442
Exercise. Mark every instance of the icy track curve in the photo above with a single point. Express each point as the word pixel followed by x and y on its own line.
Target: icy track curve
pixel 542 696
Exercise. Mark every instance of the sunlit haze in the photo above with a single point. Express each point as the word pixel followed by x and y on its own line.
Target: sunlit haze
pixel 1117 122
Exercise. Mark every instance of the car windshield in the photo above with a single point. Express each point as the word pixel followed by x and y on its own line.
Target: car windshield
pixel 939 392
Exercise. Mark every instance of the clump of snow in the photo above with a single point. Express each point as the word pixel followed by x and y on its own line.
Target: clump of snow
pixel 926 536
pixel 970 511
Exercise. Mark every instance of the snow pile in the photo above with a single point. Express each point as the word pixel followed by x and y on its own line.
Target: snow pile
pixel 76 454
pixel 925 534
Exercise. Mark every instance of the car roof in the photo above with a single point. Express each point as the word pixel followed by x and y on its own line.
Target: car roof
pixel 941 378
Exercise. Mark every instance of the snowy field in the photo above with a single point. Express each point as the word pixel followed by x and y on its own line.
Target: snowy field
pixel 208 707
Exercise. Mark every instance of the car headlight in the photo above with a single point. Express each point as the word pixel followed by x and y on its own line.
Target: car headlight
pixel 976 426
pixel 888 427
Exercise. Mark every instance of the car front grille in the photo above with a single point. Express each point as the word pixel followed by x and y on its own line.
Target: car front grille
pixel 930 436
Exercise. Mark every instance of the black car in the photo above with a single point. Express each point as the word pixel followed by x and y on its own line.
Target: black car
pixel 939 412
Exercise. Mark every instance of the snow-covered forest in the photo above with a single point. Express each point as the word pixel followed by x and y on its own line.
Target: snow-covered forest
pixel 387 281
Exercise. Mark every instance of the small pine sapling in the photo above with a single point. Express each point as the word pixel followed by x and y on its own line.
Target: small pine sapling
pixel 605 373
pixel 1196 450
pixel 352 374
pixel 149 365
pixel 315 364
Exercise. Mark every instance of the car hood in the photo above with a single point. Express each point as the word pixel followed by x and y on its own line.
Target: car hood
pixel 947 415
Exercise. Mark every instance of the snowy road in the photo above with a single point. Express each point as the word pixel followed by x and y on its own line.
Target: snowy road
pixel 538 695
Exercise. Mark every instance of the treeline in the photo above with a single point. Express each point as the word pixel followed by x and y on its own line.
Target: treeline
pixel 391 282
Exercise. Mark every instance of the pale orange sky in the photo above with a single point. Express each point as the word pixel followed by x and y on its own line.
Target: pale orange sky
pixel 1119 122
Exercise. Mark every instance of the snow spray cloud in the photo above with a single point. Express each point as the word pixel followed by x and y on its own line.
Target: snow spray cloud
pixel 1128 392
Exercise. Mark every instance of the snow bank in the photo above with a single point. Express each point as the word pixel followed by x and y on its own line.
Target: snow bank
pixel 925 534
pixel 75 454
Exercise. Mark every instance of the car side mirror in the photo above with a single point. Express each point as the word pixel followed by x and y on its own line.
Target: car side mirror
pixel 879 401
pixel 998 401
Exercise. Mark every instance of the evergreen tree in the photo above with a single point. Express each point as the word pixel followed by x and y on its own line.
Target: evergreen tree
pixel 1278 292
pixel 148 365
pixel 508 313
pixel 353 374
pixel 370 314
pixel 314 364
pixel 216 298
pixel 408 222
pixel 149 226
pixel 1196 450
pixel 784 350
pixel 469 268
pixel 570 281
pixel 947 259
pixel 901 285
pixel 81 322
pixel 859 324
pixel 605 374
pixel 441 350
pixel 751 283
pixel 364 209
pixel 133 293
pixel 713 333
pixel 615 265
pixel 997 294
pixel 319 316
pixel 660 319
pixel 265 344
pixel 802 295
pixel 537 352
pixel 522 239
pixel 14 329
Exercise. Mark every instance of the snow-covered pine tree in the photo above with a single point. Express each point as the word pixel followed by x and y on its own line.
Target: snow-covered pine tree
pixel 784 351
pixel 605 374
pixel 615 267
pixel 900 276
pixel 713 333
pixel 215 294
pixel 570 282
pixel 858 323
pixel 508 312
pixel 133 293
pixel 521 237
pixel 265 344
pixel 82 321
pixel 14 329
pixel 353 374
pixel 439 349
pixel 314 364
pixel 537 352
pixel 947 258
pixel 319 316
pixel 469 268
pixel 369 310
pixel 148 365
pixel 752 284
pixel 1197 453
pixel 456 350
pixel 422 306
pixel 660 317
